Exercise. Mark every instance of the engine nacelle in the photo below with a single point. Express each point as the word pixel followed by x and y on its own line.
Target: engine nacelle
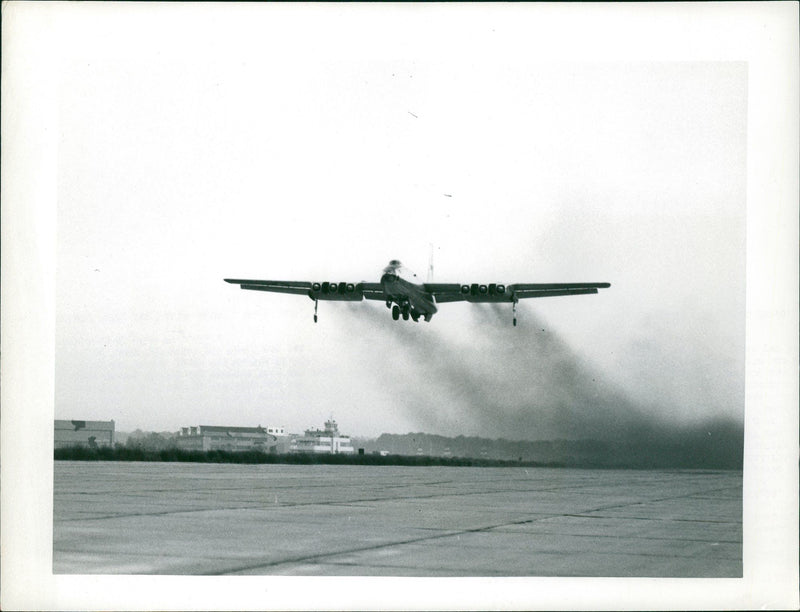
pixel 493 292
pixel 339 292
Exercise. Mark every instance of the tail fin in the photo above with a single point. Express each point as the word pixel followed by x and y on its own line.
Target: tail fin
pixel 430 264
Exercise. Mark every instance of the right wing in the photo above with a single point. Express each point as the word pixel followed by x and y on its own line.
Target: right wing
pixel 495 292
pixel 523 290
pixel 344 292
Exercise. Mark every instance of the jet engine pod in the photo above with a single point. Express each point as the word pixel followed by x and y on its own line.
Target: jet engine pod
pixel 483 289
pixel 500 289
pixel 465 289
pixel 316 287
pixel 350 288
pixel 332 287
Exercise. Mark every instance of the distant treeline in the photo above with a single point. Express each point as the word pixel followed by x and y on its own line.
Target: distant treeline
pixel 122 453
pixel 716 444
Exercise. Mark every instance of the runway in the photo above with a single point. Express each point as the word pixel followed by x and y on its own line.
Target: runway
pixel 225 519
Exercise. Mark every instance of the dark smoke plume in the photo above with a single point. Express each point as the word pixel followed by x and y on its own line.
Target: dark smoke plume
pixel 495 380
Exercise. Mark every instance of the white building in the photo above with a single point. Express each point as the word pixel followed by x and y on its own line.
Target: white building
pixel 323 441
pixel 225 438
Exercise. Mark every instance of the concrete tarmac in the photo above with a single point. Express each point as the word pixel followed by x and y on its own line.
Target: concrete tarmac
pixel 224 519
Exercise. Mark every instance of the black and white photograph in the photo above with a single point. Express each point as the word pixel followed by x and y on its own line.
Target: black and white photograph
pixel 327 305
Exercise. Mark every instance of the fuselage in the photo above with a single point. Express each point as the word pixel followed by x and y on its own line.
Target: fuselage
pixel 402 287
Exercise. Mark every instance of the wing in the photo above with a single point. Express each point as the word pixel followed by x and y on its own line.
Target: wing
pixel 298 288
pixel 343 292
pixel 497 292
pixel 372 291
pixel 523 290
pixel 446 292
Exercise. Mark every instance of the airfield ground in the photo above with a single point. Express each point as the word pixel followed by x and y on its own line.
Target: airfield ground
pixel 222 519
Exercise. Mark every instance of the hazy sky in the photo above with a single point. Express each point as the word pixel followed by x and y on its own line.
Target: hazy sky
pixel 174 173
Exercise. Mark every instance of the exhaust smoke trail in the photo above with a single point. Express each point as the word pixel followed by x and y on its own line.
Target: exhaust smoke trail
pixel 496 380
pixel 488 379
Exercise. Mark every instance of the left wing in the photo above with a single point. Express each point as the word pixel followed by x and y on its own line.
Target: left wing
pixel 298 288
pixel 497 292
pixel 343 292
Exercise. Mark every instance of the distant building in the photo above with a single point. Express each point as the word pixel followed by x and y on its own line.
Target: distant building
pixel 89 434
pixel 324 441
pixel 225 438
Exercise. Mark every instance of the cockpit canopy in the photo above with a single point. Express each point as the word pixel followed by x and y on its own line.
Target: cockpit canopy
pixel 395 268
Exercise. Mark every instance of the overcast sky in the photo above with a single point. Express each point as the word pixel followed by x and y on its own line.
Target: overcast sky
pixel 178 170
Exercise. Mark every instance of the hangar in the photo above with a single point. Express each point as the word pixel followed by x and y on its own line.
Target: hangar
pixel 229 438
pixel 88 434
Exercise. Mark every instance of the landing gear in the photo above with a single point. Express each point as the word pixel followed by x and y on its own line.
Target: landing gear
pixel 316 303
pixel 514 311
pixel 403 309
